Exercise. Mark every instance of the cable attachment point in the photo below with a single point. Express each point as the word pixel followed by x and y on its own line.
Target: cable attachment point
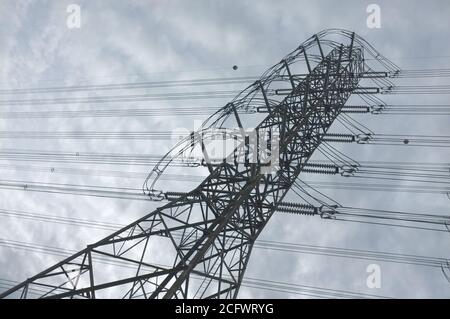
pixel 387 89
pixel 446 224
pixel 363 138
pixel 348 170
pixel 156 195
pixel 377 109
pixel 394 74
pixel 327 212
pixel 445 267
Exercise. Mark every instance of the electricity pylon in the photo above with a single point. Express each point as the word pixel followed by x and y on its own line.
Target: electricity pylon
pixel 207 234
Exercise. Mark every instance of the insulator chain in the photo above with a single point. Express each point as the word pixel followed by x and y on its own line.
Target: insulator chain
pixel 338 137
pixel 359 109
pixel 295 208
pixel 297 205
pixel 326 169
pixel 174 195
pixel 362 138
pixel 325 211
pixel 296 211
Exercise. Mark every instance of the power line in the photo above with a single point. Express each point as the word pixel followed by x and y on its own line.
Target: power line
pixel 236 201
pixel 200 95
pixel 250 282
pixel 133 85
pixel 261 244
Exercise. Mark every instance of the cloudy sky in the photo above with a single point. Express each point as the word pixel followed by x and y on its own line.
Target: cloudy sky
pixel 155 40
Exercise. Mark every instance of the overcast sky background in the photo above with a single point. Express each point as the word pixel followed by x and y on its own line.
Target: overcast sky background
pixel 128 41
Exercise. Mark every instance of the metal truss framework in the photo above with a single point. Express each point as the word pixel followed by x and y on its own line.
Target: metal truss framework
pixel 211 230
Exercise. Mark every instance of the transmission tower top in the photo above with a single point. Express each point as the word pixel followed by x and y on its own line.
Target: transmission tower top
pixel 198 244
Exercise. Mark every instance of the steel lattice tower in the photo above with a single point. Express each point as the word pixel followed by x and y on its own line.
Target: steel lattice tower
pixel 211 229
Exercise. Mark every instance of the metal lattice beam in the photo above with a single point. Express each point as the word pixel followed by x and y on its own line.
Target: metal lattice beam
pixel 209 232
